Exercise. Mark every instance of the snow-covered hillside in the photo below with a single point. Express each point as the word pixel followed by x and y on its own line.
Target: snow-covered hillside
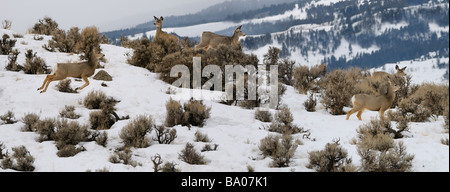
pixel 140 92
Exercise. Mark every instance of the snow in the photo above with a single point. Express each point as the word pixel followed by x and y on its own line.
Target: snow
pixel 390 26
pixel 297 13
pixel 234 129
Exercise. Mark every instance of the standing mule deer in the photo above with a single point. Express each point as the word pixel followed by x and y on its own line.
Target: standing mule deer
pixel 77 70
pixel 211 40
pixel 382 74
pixel 161 34
pixel 379 103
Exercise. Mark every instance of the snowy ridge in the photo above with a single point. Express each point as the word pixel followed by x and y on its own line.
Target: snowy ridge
pixel 234 129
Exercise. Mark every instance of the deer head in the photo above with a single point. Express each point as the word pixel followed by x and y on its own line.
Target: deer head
pixel 401 71
pixel 238 32
pixel 158 22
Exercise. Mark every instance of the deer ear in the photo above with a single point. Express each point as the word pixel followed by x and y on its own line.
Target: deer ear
pixel 396 67
pixel 403 68
pixel 162 18
pixel 155 17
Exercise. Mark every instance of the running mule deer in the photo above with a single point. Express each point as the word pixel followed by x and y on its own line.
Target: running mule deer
pixel 77 70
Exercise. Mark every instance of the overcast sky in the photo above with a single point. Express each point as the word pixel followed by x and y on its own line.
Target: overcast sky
pixel 105 14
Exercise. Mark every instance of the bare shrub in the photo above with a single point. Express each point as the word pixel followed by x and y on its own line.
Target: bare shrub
pixel 31 122
pixel 190 156
pixel 69 112
pixel 69 150
pixel 35 64
pixel 411 111
pixel 170 167
pixel 378 151
pixel 107 117
pixel 391 160
pixel 165 135
pixel 123 156
pixel 167 167
pixel 332 159
pixel 285 71
pixel 200 137
pixel 208 147
pixel 168 45
pixel 445 141
pixel 280 149
pixel 2 153
pixel 62 42
pixel 8 118
pixel 134 133
pixel 174 115
pixel 378 134
pixel 21 160
pixel 89 39
pixel 305 79
pixel 100 120
pixel 433 97
pixel 95 100
pixel 282 123
pixel 195 113
pixel 272 56
pixel 45 26
pixel 64 86
pixel 6 24
pixel 68 135
pixel 425 101
pixel 102 139
pixel 310 103
pixel 6 44
pixel 264 116
pixel 142 53
pixel 157 161
pixel 338 87
pixel 12 64
pixel 46 129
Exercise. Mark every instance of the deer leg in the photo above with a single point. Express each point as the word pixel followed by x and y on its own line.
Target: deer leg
pixel 349 113
pixel 85 79
pixel 381 112
pixel 45 81
pixel 50 79
pixel 359 114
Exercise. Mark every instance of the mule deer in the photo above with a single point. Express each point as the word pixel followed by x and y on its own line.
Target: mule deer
pixel 77 70
pixel 161 34
pixel 211 40
pixel 381 102
pixel 382 74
